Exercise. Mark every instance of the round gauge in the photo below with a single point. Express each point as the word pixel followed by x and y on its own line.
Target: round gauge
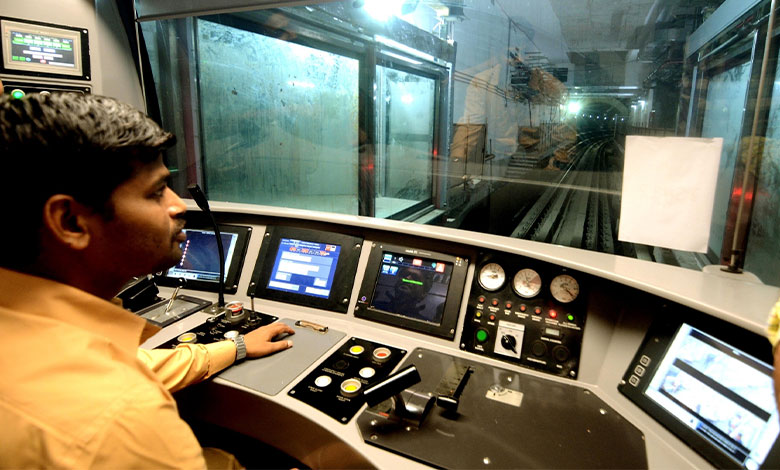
pixel 491 276
pixel 527 283
pixel 564 288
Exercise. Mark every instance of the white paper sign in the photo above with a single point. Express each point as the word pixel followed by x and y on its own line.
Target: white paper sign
pixel 669 191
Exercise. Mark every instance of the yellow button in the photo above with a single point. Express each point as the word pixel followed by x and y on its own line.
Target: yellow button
pixel 350 387
pixel 188 337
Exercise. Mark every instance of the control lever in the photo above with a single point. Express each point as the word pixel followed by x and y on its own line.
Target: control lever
pixel 181 283
pixel 408 405
pixel 451 401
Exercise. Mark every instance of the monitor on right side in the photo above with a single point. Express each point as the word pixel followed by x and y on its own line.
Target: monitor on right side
pixel 710 383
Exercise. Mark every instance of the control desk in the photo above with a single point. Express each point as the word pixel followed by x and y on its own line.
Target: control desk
pixel 421 346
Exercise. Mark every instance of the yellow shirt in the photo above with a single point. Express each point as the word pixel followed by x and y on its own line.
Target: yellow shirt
pixel 773 325
pixel 77 392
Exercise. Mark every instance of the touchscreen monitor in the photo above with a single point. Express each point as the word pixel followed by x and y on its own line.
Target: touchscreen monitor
pixel 715 395
pixel 199 263
pixel 314 268
pixel 304 267
pixel 415 289
pixel 43 49
pixel 412 287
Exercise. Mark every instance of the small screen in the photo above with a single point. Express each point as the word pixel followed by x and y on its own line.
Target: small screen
pixel 721 393
pixel 412 287
pixel 200 256
pixel 44 49
pixel 304 267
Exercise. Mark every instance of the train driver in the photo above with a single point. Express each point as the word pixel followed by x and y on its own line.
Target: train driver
pixel 88 207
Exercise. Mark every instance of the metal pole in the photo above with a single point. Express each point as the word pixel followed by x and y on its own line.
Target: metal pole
pixel 736 262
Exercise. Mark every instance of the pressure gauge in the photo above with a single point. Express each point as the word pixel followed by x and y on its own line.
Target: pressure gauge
pixel 491 276
pixel 564 288
pixel 527 283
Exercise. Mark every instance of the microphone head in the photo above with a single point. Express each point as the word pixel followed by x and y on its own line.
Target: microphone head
pixel 199 197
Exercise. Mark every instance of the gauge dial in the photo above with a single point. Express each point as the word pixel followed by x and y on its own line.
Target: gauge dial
pixel 564 288
pixel 492 276
pixel 527 283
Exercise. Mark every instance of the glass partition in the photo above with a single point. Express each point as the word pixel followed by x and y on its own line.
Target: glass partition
pixel 507 117
pixel 405 125
pixel 723 114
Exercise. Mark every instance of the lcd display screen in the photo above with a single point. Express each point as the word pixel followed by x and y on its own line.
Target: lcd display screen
pixel 37 48
pixel 412 287
pixel 721 393
pixel 304 267
pixel 200 256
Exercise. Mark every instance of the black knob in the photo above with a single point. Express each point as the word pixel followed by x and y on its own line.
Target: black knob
pixel 509 342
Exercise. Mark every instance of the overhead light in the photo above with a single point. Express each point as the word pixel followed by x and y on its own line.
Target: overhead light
pixel 382 10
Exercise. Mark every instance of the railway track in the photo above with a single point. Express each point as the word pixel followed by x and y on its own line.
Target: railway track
pixel 582 207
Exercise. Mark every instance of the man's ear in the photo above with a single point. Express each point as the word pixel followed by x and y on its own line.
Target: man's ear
pixel 67 221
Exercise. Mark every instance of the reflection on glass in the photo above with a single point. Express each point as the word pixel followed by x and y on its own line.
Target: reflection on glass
pixel 723 118
pixel 405 139
pixel 763 252
pixel 279 121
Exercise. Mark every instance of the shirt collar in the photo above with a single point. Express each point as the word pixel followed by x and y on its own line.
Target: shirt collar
pixel 32 295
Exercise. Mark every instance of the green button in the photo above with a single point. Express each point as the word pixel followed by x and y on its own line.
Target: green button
pixel 482 336
pixel 17 94
pixel 570 317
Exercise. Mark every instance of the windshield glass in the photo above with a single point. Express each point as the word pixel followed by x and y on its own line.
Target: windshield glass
pixel 599 125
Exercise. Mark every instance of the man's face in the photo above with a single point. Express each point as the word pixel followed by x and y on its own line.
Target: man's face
pixel 144 234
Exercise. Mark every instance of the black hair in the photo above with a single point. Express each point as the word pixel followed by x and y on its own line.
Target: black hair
pixel 84 146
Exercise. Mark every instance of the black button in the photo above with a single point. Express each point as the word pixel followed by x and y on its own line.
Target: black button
pixel 560 353
pixel 539 349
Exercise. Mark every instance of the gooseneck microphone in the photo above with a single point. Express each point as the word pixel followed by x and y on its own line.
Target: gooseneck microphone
pixel 200 200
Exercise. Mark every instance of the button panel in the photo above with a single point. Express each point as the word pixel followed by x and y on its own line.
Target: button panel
pixel 336 385
pixel 219 328
pixel 537 332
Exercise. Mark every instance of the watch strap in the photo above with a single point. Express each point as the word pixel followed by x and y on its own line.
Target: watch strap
pixel 240 347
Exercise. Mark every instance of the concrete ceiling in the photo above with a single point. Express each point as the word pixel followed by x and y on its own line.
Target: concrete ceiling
pixel 601 25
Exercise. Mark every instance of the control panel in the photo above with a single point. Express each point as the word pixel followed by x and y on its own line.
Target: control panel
pixel 336 386
pixel 237 320
pixel 526 312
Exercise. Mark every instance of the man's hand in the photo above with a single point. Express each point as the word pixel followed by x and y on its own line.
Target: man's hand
pixel 259 342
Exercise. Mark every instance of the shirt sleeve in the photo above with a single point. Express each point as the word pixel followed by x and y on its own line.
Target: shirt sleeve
pixel 773 325
pixel 188 363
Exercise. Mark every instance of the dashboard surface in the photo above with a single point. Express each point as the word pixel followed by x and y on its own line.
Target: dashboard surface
pixel 551 342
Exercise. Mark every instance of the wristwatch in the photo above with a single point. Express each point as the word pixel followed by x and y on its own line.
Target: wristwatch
pixel 240 347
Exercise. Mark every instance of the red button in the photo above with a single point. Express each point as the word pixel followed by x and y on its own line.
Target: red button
pixel 481 299
pixel 522 307
pixel 494 302
pixel 509 305
pixel 538 310
pixel 492 318
pixel 553 314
